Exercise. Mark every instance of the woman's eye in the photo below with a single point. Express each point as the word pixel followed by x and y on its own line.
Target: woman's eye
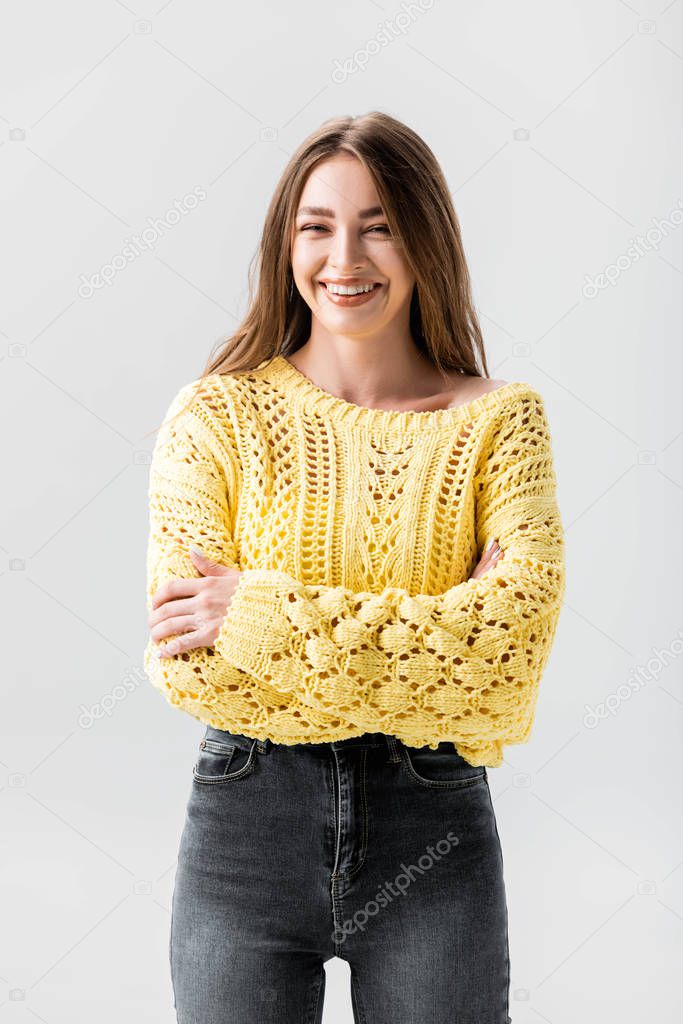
pixel 320 227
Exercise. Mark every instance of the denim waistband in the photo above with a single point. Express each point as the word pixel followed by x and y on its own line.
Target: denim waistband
pixel 368 739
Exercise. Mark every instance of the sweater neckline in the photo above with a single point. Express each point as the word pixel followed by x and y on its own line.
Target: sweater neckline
pixel 303 392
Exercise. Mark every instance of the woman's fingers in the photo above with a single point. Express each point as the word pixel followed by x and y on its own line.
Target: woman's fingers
pixel 191 610
pixel 492 553
pixel 171 590
pixel 176 624
pixel 188 632
pixel 186 642
pixel 180 606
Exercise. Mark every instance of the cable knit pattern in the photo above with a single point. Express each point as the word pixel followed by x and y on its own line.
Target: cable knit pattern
pixel 356 530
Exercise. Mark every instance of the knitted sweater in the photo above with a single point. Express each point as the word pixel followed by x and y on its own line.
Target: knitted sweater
pixel 356 530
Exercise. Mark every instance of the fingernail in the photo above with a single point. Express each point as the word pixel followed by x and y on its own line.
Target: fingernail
pixel 490 544
pixel 198 551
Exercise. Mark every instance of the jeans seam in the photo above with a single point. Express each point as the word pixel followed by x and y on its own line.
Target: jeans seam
pixel 508 1018
pixel 170 949
pixel 313 1016
pixel 362 1016
pixel 364 812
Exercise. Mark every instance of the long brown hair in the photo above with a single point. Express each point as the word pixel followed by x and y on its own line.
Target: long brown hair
pixel 421 216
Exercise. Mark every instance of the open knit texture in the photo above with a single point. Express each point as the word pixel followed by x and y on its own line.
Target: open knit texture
pixel 356 530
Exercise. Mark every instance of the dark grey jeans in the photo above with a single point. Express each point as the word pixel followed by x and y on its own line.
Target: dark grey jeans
pixel 384 855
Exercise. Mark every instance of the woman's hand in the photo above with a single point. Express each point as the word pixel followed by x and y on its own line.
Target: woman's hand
pixel 488 560
pixel 194 608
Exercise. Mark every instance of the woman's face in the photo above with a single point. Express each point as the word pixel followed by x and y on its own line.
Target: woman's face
pixel 342 236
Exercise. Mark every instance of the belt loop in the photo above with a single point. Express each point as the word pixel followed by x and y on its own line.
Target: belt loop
pixel 394 756
pixel 263 746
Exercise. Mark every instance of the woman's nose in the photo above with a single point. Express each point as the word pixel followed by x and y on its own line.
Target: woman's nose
pixel 347 251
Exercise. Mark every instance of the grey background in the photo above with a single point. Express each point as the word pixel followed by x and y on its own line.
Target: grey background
pixel 557 126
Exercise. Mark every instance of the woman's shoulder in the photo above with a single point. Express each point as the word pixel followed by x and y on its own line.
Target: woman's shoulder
pixel 466 388
pixel 501 402
pixel 200 404
pixel 475 387
pixel 208 389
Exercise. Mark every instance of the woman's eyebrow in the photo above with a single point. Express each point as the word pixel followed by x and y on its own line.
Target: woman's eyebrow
pixel 324 211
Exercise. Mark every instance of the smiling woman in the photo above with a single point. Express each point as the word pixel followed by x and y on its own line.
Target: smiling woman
pixel 367 627
pixel 345 256
pixel 341 291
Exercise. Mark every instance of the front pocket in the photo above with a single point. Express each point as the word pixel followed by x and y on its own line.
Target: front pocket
pixel 443 767
pixel 219 762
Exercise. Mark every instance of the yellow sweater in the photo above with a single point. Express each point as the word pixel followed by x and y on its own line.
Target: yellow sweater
pixel 356 530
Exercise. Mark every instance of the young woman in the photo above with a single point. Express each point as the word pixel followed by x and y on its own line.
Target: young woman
pixel 355 574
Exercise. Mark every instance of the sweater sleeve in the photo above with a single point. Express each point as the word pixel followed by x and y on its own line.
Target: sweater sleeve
pixel 462 665
pixel 193 475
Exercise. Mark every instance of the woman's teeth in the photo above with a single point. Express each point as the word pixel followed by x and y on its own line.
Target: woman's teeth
pixel 340 289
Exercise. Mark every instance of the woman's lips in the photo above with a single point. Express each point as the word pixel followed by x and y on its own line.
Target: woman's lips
pixel 350 300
